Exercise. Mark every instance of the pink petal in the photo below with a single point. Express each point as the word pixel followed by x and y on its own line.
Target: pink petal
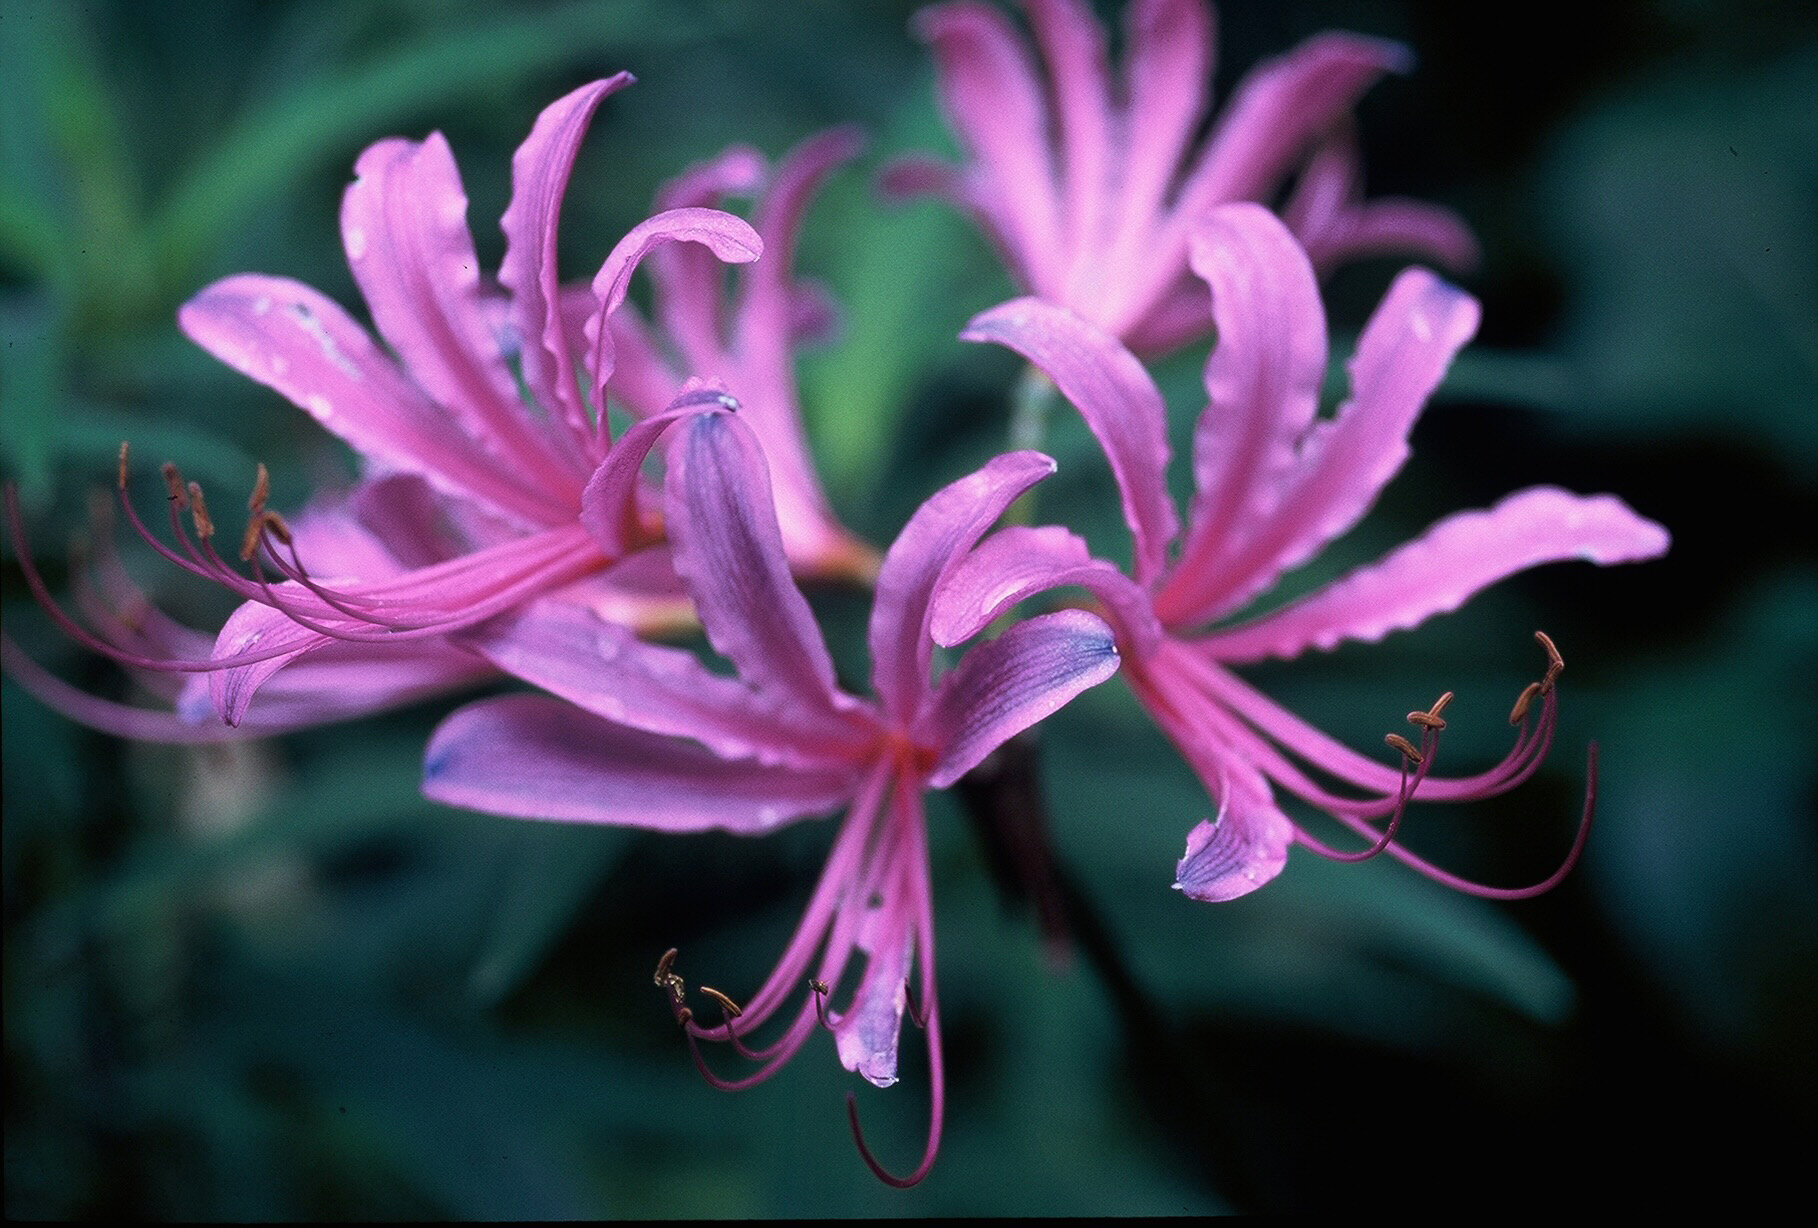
pixel 1329 216
pixel 762 364
pixel 527 756
pixel 602 667
pixel 730 239
pixel 404 221
pixel 255 626
pixel 609 505
pixel 1393 225
pixel 1018 562
pixel 339 682
pixel 1246 845
pixel 1262 384
pixel 1244 848
pixel 1277 112
pixel 1401 357
pixel 539 178
pixel 643 381
pixel 1118 400
pixel 1074 47
pixel 930 545
pixel 867 1032
pixel 1008 684
pixel 728 548
pixel 911 175
pixel 1440 570
pixel 1167 67
pixel 993 100
pixel 690 285
pixel 290 338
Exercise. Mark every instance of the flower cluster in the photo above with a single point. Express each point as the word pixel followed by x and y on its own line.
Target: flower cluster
pixel 502 530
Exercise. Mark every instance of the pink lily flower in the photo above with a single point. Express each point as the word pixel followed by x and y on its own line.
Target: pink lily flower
pixel 666 745
pixel 1091 191
pixel 746 340
pixel 1275 483
pixel 476 503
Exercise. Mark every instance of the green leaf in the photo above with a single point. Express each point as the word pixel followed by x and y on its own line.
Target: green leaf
pixel 290 134
pixel 908 278
pixel 554 869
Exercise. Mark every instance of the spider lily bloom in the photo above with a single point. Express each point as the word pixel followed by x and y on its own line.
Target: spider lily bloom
pixel 479 500
pixel 783 741
pixel 747 340
pixel 1091 190
pixel 1275 484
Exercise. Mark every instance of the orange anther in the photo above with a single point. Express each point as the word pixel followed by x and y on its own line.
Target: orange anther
pixel 1529 693
pixel 726 1004
pixel 205 525
pixel 1397 742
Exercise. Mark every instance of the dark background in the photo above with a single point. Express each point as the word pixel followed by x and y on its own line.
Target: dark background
pixel 269 981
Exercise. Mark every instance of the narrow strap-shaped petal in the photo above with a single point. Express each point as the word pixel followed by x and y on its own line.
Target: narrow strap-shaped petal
pixel 295 340
pixel 993 100
pixel 1008 684
pixel 1244 848
pixel 763 361
pixel 643 381
pixel 255 626
pixel 1345 462
pixel 1246 844
pixel 1016 563
pixel 730 551
pixel 609 505
pixel 1438 571
pixel 1118 400
pixel 1073 44
pixel 399 607
pixel 690 287
pixel 869 1029
pixel 934 540
pixel 539 178
pixel 404 222
pixel 1277 111
pixel 1167 68
pixel 531 757
pixel 1330 217
pixel 601 666
pixel 340 682
pixel 1396 225
pixel 1262 386
pixel 729 238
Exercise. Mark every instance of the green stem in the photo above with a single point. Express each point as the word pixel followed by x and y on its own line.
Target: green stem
pixel 1031 401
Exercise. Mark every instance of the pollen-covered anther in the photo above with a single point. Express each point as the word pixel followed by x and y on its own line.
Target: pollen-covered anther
pixel 1407 748
pixel 671 983
pixel 1524 701
pixel 1431 718
pixel 725 1003
pixel 125 463
pixel 173 482
pixel 198 509
pixel 1555 662
pixel 277 527
pixel 261 491
pixel 263 522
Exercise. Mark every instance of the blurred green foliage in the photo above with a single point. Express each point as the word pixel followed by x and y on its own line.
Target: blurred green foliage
pixel 270 981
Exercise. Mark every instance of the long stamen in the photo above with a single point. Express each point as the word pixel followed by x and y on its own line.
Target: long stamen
pixel 1546 884
pixel 931 1029
pixel 1422 761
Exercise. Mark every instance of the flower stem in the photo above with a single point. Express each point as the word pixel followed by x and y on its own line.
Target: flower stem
pixel 1031 401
